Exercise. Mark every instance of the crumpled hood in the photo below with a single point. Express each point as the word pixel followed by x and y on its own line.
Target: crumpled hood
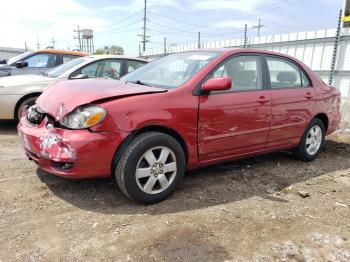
pixel 21 80
pixel 63 97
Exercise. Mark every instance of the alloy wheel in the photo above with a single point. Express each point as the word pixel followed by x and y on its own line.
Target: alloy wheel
pixel 314 140
pixel 156 170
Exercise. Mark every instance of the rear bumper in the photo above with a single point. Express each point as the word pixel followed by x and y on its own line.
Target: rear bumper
pixel 70 153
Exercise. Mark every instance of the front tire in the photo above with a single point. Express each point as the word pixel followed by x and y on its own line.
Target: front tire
pixel 150 168
pixel 311 142
pixel 27 102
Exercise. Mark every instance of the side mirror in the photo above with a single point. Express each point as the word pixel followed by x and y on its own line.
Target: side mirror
pixel 21 64
pixel 79 76
pixel 3 61
pixel 217 84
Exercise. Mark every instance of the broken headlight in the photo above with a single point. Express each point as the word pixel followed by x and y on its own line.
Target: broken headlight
pixel 84 117
pixel 35 115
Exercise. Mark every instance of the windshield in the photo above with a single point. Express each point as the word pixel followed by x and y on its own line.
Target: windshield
pixel 19 57
pixel 61 69
pixel 171 71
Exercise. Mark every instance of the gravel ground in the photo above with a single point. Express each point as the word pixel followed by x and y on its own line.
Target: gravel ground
pixel 266 208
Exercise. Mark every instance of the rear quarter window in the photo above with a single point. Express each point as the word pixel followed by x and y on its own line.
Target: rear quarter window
pixel 67 58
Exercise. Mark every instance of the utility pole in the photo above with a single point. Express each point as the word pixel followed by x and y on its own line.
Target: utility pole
pixel 259 26
pixel 93 45
pixel 144 36
pixel 37 42
pixel 79 38
pixel 139 49
pixel 165 51
pixel 144 26
pixel 53 43
pixel 335 49
pixel 245 35
pixel 199 40
pixel 25 46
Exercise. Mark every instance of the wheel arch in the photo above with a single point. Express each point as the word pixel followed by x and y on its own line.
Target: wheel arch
pixel 23 98
pixel 151 128
pixel 324 118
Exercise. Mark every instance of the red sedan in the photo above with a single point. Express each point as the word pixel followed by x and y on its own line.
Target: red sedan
pixel 179 112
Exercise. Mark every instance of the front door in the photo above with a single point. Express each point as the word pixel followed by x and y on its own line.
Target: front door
pixel 235 122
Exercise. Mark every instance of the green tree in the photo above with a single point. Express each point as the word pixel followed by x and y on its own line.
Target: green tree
pixel 100 51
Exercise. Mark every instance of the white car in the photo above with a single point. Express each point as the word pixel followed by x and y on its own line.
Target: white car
pixel 19 91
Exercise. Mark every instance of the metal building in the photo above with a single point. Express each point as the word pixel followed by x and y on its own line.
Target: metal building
pixel 9 52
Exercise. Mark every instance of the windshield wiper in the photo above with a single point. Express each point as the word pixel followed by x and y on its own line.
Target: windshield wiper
pixel 140 82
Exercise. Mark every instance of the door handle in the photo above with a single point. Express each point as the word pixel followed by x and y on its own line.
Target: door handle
pixel 263 99
pixel 308 95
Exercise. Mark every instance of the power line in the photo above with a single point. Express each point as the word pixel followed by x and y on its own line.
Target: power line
pixel 246 14
pixel 192 33
pixel 172 34
pixel 123 20
pixel 169 27
pixel 119 31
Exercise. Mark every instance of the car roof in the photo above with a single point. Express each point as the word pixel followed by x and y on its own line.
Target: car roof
pixel 116 56
pixel 63 52
pixel 231 50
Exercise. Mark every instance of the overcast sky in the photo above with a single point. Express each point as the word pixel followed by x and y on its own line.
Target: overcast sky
pixel 119 22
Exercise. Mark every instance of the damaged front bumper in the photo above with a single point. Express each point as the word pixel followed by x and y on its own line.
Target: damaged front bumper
pixel 69 153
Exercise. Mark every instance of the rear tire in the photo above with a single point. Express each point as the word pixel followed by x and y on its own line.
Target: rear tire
pixel 27 102
pixel 150 168
pixel 311 142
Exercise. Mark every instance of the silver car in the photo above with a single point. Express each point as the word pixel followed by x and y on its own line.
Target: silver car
pixel 19 91
pixel 36 62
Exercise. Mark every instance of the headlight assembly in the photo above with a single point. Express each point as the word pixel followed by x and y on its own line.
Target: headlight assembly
pixel 84 117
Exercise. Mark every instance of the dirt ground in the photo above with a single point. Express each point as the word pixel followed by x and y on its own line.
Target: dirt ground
pixel 266 208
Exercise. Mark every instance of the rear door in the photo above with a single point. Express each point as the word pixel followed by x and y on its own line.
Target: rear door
pixel 235 122
pixel 293 101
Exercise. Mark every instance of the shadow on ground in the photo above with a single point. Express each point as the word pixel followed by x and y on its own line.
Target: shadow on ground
pixel 8 127
pixel 205 187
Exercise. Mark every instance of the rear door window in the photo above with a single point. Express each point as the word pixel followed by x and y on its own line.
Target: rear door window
pixel 283 73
